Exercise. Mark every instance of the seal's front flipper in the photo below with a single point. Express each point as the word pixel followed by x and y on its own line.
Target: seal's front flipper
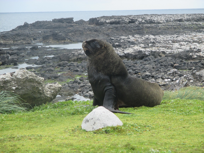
pixel 97 102
pixel 109 101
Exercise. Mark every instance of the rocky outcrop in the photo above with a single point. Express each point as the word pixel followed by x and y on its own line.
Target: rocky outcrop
pixel 29 87
pixel 66 31
pixel 63 20
pixel 72 56
pixel 180 44
pixel 8 57
pixel 147 19
pixel 99 118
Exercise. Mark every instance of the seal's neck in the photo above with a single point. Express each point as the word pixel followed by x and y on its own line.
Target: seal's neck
pixel 108 64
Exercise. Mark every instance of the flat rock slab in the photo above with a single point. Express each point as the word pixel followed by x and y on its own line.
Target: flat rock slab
pixel 99 118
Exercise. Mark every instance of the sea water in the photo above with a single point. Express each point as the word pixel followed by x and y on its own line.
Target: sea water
pixel 67 46
pixel 15 68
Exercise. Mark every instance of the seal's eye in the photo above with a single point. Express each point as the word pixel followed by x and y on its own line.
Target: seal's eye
pixel 95 44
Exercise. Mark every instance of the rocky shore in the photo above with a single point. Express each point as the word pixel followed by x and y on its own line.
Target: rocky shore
pixel 167 49
pixel 68 31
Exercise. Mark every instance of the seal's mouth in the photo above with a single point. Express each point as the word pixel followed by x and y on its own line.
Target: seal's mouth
pixel 91 47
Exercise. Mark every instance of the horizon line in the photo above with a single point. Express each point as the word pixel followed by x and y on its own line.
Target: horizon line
pixel 106 10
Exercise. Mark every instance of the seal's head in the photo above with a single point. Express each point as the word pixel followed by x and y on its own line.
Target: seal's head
pixel 103 58
pixel 93 47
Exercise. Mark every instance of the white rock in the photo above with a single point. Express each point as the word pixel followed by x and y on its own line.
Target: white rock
pixel 99 118
pixel 128 50
pixel 176 46
pixel 58 96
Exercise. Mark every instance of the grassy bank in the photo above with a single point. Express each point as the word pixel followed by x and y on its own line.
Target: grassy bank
pixel 174 126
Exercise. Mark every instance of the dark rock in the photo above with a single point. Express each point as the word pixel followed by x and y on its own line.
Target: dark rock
pixel 63 20
pixel 49 69
pixel 81 22
pixel 63 64
pixel 49 76
pixel 34 48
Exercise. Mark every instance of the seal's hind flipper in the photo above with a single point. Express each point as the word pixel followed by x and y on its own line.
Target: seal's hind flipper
pixel 115 111
pixel 118 111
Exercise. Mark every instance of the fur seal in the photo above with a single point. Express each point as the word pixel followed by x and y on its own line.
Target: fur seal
pixel 113 87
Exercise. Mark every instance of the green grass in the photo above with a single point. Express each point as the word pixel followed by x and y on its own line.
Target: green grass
pixel 79 76
pixel 10 103
pixel 51 81
pixel 186 93
pixel 60 82
pixel 174 126
pixel 4 66
pixel 63 82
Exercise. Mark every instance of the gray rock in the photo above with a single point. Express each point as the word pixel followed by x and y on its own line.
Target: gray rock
pixel 77 97
pixel 63 20
pixel 99 118
pixel 145 19
pixel 34 48
pixel 29 87
pixel 200 75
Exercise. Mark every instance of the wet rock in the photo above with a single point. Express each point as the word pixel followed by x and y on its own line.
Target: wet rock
pixel 66 91
pixel 50 76
pixel 49 69
pixel 34 48
pixel 63 64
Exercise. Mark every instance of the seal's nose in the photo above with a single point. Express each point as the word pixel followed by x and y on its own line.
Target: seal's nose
pixel 84 43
